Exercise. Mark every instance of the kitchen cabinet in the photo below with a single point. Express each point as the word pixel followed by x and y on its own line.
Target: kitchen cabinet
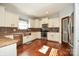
pixel 32 23
pixel 2 16
pixel 44 20
pixel 27 39
pixel 11 19
pixel 37 23
pixel 31 37
pixel 8 19
pixel 53 36
pixel 35 35
pixel 9 50
pixel 53 22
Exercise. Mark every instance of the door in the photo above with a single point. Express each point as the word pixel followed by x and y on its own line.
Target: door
pixel 65 35
pixel 68 31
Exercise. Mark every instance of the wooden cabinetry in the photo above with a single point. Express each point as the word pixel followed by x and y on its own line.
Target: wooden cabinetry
pixel 18 37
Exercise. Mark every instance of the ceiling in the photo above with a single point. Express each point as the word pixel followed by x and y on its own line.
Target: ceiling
pixel 35 9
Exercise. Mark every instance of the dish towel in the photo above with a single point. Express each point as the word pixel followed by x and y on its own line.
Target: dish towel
pixel 44 49
pixel 53 52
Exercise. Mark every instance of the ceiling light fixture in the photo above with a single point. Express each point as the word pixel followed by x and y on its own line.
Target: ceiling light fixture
pixel 47 12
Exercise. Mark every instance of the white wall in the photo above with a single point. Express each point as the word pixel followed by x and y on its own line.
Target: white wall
pixel 67 11
pixel 76 30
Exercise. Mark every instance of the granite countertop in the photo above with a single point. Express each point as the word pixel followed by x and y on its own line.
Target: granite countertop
pixel 4 41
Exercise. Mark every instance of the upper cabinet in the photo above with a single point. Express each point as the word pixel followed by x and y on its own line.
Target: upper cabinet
pixel 53 22
pixel 44 21
pixel 8 19
pixel 2 14
pixel 32 23
pixel 37 23
pixel 11 19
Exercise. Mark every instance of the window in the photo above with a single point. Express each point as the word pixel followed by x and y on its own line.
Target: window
pixel 23 24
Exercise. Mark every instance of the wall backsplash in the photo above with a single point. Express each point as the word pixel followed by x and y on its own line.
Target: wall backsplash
pixel 11 30
pixel 53 29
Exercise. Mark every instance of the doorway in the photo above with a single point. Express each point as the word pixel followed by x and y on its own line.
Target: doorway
pixel 67 31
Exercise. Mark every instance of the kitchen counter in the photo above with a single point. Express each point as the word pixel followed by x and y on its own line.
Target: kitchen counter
pixel 4 41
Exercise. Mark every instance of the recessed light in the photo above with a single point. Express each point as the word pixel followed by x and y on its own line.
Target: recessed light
pixel 47 12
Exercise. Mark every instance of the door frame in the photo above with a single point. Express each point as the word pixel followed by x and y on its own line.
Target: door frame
pixel 67 17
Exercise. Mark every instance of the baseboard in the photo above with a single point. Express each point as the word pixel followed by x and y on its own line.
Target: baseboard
pixel 47 40
pixel 54 41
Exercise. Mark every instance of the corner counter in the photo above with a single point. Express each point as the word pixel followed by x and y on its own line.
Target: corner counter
pixel 4 41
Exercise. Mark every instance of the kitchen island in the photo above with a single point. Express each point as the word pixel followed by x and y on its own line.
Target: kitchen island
pixel 8 46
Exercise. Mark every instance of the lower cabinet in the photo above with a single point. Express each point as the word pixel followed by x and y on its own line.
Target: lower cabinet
pixel 26 39
pixel 31 37
pixel 54 37
pixel 19 37
pixel 9 50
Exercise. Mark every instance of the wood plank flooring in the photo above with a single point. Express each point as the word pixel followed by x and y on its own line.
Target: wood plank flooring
pixel 32 48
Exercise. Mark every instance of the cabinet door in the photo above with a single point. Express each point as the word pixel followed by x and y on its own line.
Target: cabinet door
pixel 8 19
pixel 9 50
pixel 2 16
pixel 11 19
pixel 25 39
pixel 54 22
pixel 32 23
pixel 37 23
pixel 15 20
pixel 54 37
pixel 35 35
pixel 44 20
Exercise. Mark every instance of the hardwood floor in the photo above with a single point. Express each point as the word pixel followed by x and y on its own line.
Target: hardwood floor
pixel 32 48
